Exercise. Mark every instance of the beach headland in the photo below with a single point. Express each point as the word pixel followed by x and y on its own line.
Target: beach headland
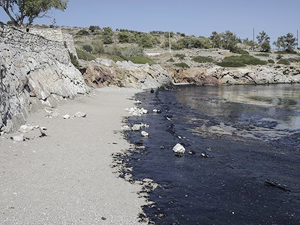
pixel 66 176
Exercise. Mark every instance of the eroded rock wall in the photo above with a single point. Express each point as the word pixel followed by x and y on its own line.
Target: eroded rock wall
pixel 34 72
pixel 105 72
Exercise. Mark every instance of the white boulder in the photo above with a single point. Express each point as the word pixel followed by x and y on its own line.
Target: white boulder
pixel 178 149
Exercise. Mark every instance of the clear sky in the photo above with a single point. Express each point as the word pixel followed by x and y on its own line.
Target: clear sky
pixel 197 17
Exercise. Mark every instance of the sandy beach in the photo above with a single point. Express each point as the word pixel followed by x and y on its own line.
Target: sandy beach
pixel 66 177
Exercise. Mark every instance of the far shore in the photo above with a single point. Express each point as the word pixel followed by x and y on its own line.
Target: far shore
pixel 66 176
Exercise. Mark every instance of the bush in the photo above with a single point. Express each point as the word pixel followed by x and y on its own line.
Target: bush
pixel 284 62
pixel 279 57
pixel 202 59
pixel 271 61
pixel 241 61
pixel 98 47
pixel 94 28
pixel 132 51
pixel 170 60
pixel 83 33
pixel 238 50
pixel 262 54
pixel 113 50
pixel 85 55
pixel 87 48
pixel 141 60
pixel 74 60
pixel 182 65
pixel 294 60
pixel 180 56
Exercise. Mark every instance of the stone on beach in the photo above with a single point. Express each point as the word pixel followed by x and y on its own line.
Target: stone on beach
pixel 136 111
pixel 144 134
pixel 80 115
pixel 66 116
pixel 178 149
pixel 18 138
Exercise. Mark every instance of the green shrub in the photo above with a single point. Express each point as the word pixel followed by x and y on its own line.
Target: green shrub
pixel 132 50
pixel 286 52
pixel 284 62
pixel 241 61
pixel 262 54
pixel 180 56
pixel 98 47
pixel 74 60
pixel 87 48
pixel 94 28
pixel 278 57
pixel 141 60
pixel 294 60
pixel 238 50
pixel 83 33
pixel 170 60
pixel 271 61
pixel 202 59
pixel 182 65
pixel 84 55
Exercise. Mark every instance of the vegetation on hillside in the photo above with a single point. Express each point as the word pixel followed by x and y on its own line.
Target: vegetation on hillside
pixel 241 61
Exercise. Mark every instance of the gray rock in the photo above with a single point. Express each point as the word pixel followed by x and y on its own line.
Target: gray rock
pixel 80 115
pixel 66 116
pixel 18 138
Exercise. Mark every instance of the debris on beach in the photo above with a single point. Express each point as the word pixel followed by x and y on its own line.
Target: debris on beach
pixel 42 130
pixel 52 113
pixel 136 111
pixel 178 149
pixel 138 127
pixel 204 155
pixel 80 115
pixel 26 128
pixel 18 138
pixel 144 134
pixel 67 116
pixel 157 111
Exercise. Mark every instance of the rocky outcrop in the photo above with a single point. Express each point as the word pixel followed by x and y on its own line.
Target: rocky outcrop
pixel 105 72
pixel 35 72
pixel 231 76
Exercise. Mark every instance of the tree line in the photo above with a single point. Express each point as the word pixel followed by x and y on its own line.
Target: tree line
pixel 26 11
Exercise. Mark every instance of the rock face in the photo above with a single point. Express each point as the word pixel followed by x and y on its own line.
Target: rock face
pixel 248 75
pixel 105 72
pixel 35 72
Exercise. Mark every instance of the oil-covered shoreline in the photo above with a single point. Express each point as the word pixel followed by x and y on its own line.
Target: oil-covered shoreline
pixel 241 163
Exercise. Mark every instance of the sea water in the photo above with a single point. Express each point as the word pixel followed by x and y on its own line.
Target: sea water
pixel 242 159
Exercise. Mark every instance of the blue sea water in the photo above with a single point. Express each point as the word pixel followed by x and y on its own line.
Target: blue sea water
pixel 244 145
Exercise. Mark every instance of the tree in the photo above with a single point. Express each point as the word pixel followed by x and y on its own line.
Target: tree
pixel 19 11
pixel 287 42
pixel 215 39
pixel 229 40
pixel 264 41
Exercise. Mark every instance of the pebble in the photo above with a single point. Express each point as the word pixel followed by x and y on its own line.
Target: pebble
pixel 18 138
pixel 66 116
pixel 80 115
pixel 144 134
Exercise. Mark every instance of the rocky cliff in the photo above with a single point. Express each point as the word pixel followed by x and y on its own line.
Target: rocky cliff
pixel 105 72
pixel 35 72
pixel 215 75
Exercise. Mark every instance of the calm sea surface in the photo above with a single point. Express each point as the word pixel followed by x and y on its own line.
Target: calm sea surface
pixel 244 161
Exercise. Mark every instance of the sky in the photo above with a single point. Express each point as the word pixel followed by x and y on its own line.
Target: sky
pixel 192 17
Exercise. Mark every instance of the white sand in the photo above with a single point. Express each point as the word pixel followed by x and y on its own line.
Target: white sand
pixel 66 177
